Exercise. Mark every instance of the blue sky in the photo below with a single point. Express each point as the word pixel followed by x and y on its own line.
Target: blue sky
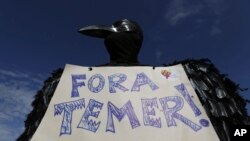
pixel 36 37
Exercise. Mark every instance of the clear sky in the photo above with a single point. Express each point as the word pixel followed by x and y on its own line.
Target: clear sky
pixel 38 36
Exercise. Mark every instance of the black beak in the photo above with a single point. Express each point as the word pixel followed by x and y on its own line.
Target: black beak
pixel 98 31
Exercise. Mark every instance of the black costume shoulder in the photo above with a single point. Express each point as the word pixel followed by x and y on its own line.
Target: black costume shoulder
pixel 218 95
pixel 40 105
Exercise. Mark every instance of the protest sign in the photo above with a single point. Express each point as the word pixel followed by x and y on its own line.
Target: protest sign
pixel 125 104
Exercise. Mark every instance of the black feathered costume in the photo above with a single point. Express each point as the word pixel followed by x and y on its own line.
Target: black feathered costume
pixel 217 93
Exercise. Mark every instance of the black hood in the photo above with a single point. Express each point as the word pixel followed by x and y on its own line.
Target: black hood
pixel 123 40
pixel 123 47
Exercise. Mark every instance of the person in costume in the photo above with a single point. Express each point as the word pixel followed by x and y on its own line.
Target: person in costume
pixel 123 40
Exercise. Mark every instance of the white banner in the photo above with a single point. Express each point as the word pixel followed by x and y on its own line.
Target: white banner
pixel 125 104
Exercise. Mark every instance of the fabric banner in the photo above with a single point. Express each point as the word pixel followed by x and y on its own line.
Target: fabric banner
pixel 125 104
